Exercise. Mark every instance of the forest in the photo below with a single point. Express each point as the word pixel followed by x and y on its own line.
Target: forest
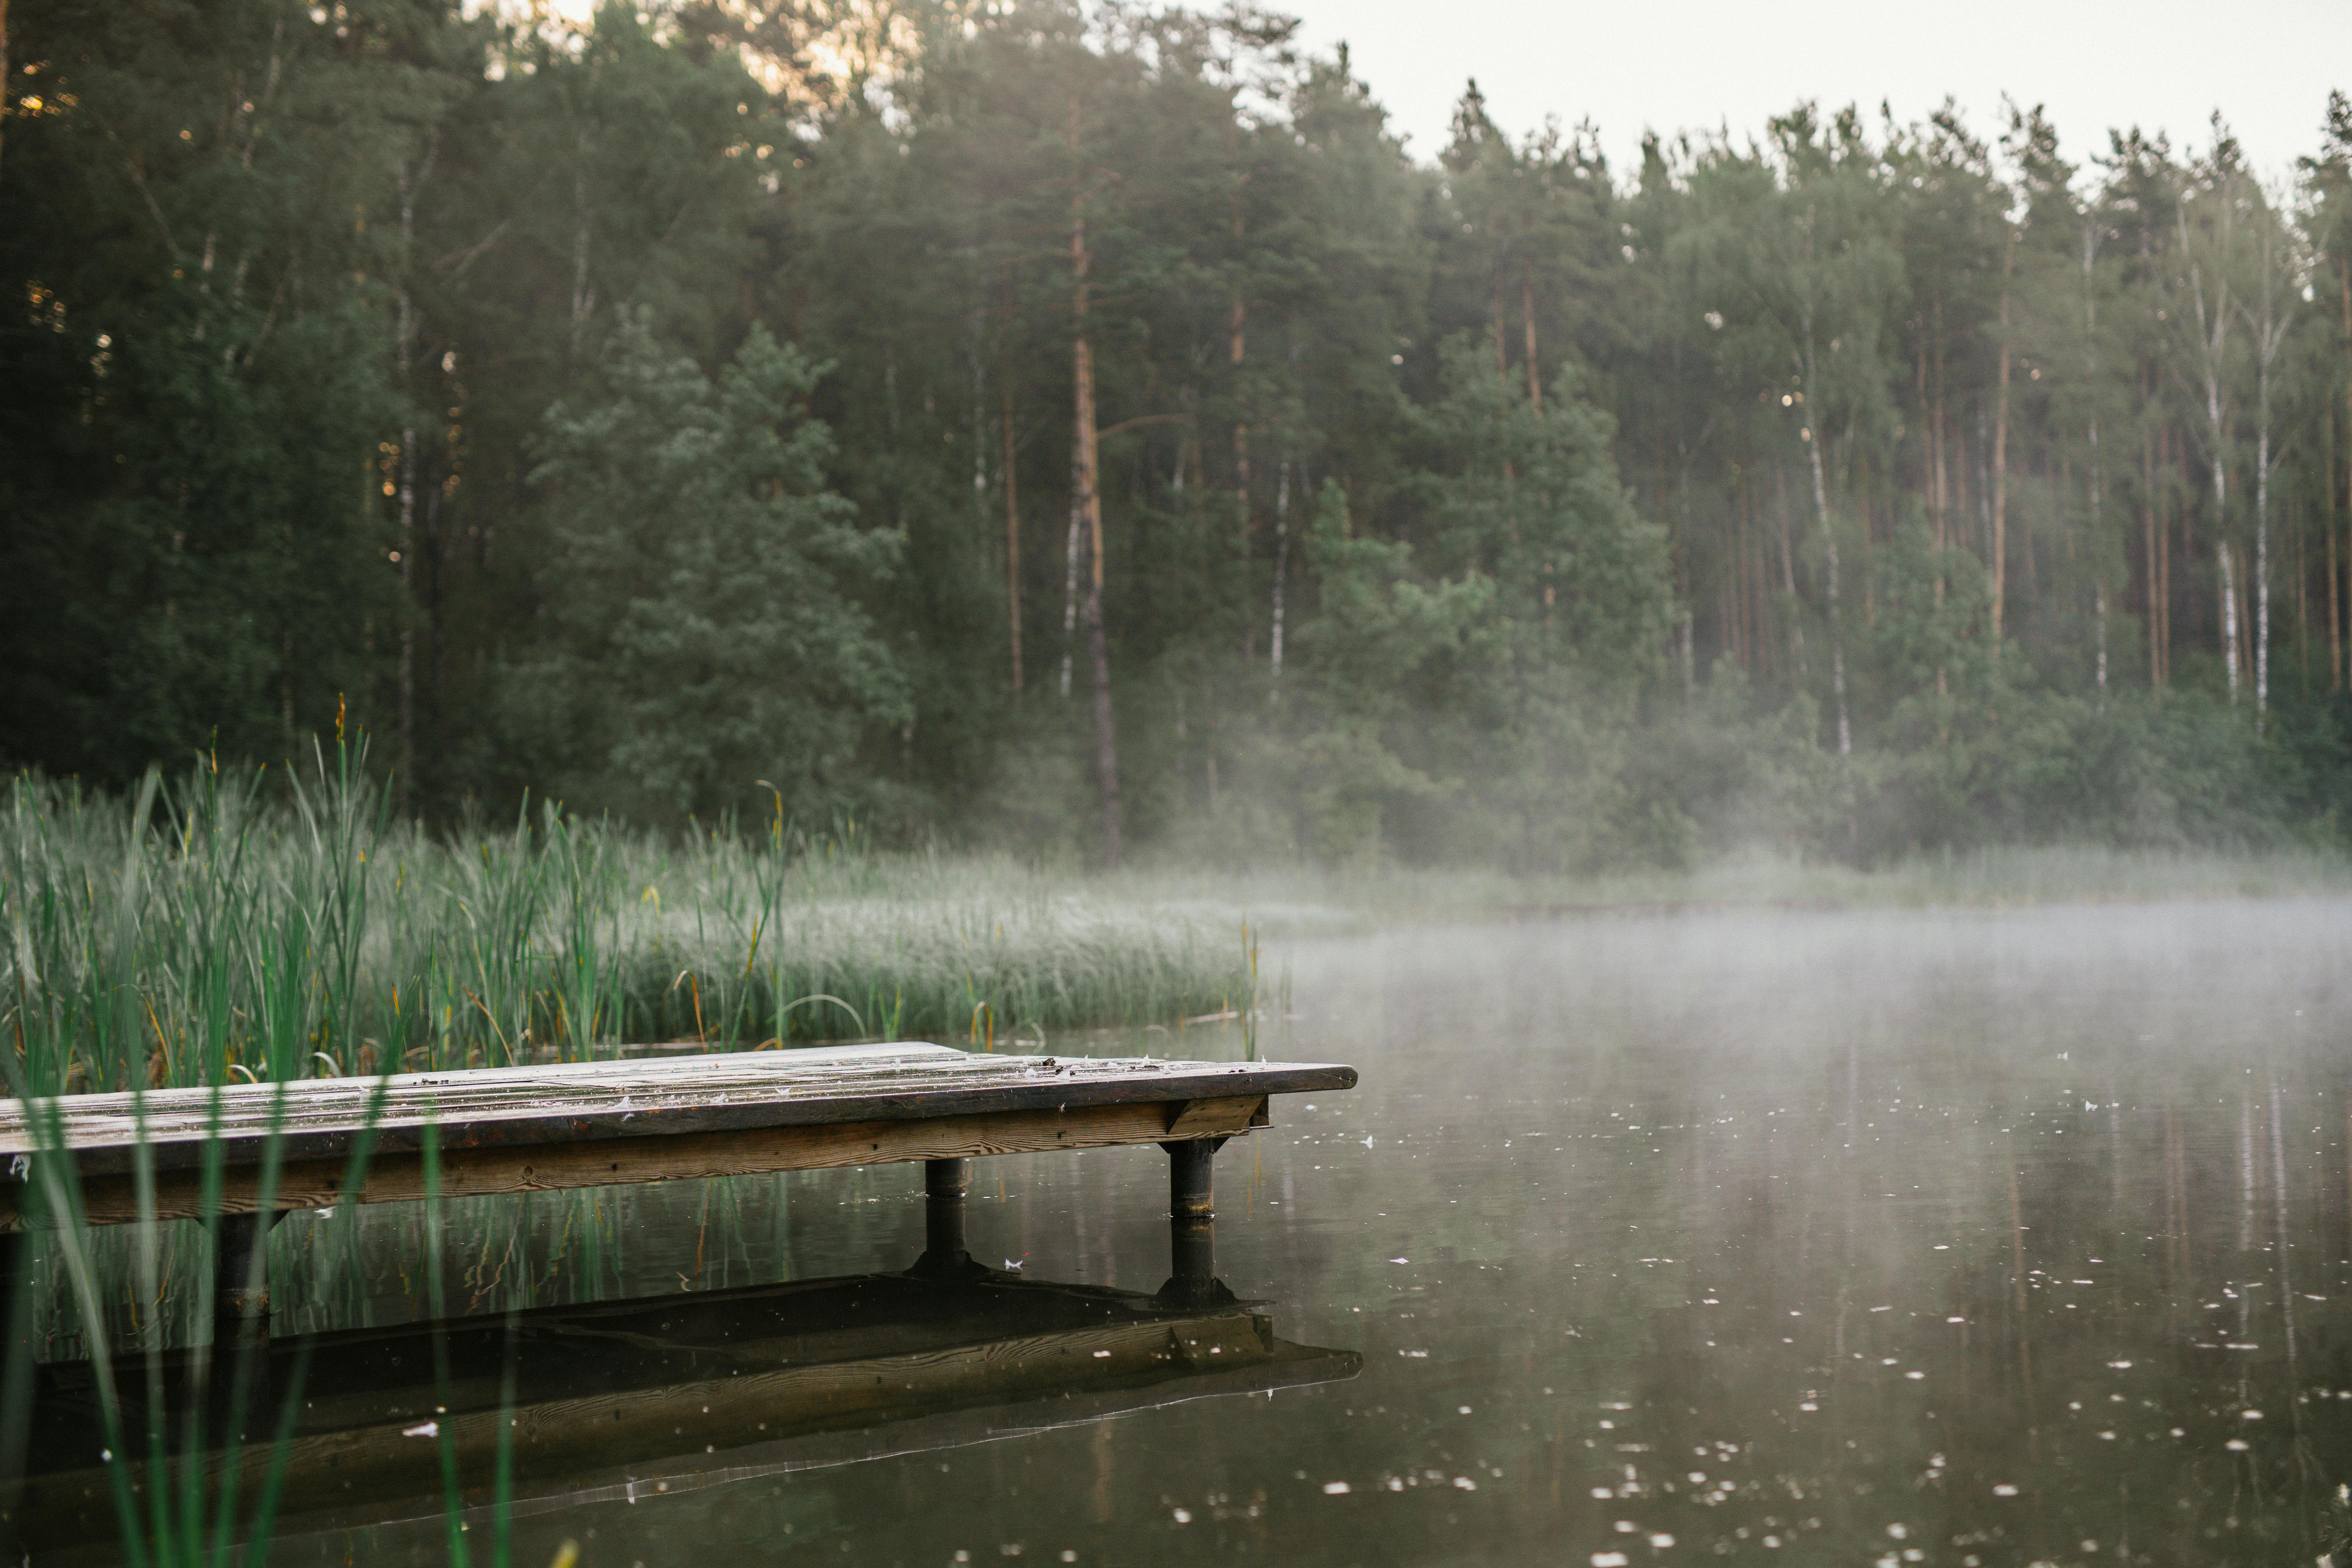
pixel 1092 433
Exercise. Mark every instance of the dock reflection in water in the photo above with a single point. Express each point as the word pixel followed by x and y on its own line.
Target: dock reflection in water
pixel 635 1401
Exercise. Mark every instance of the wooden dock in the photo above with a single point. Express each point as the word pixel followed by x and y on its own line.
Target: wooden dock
pixel 264 1149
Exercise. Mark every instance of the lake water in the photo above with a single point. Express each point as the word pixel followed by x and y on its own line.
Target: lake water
pixel 1978 1238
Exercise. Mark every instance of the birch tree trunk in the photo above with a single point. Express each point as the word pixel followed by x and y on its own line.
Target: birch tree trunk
pixel 2229 599
pixel 2335 580
pixel 1682 576
pixel 2260 586
pixel 1086 505
pixel 979 420
pixel 2001 451
pixel 1070 577
pixel 2212 338
pixel 2300 549
pixel 584 293
pixel 1502 360
pixel 1940 497
pixel 1829 540
pixel 2098 581
pixel 2270 330
pixel 1527 320
pixel 2147 542
pixel 2098 458
pixel 1236 346
pixel 1281 564
pixel 2169 460
pixel 1789 581
pixel 1011 541
pixel 2335 671
pixel 404 350
pixel 1837 630
pixel 1940 436
pixel 1237 349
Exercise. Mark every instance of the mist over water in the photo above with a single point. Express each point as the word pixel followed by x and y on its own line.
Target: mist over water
pixel 2002 1237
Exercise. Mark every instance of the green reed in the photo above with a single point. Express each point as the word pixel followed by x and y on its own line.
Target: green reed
pixel 203 1487
pixel 282 923
pixel 191 1511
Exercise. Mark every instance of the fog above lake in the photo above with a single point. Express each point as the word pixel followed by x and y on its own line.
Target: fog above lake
pixel 1999 1236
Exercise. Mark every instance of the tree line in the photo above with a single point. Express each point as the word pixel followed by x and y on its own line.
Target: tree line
pixel 1082 428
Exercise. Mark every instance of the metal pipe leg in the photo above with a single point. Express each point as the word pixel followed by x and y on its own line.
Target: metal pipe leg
pixel 1192 1227
pixel 945 1255
pixel 1192 1250
pixel 16 1268
pixel 17 1385
pixel 1191 1189
pixel 241 1267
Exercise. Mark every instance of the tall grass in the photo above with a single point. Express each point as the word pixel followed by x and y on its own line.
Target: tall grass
pixel 191 1504
pixel 282 924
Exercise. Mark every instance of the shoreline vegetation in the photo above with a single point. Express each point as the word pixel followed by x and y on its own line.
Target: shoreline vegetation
pixel 251 925
pixel 267 924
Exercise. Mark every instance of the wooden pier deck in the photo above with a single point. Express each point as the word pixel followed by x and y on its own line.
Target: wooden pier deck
pixel 265 1149
pixel 514 1129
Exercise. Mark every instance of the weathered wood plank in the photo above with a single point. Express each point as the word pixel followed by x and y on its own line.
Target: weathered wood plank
pixel 1201 1119
pixel 320 1119
pixel 399 1177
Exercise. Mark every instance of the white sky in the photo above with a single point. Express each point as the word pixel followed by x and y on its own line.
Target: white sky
pixel 2266 64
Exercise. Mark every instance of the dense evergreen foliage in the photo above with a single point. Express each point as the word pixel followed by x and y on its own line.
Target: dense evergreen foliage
pixel 1079 431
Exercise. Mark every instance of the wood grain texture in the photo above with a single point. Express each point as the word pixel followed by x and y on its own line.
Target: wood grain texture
pixel 322 1119
pixel 1201 1119
pixel 685 1156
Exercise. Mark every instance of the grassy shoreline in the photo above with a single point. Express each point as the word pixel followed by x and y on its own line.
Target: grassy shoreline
pixel 205 931
pixel 263 926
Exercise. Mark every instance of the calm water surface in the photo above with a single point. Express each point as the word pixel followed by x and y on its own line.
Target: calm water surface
pixel 1969 1238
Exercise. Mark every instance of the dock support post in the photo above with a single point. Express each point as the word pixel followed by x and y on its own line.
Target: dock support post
pixel 241 1268
pixel 1191 1226
pixel 1190 1193
pixel 945 1256
pixel 945 1178
pixel 17 1382
pixel 16 1271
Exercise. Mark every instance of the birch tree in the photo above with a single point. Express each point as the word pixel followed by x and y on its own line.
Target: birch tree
pixel 1806 265
pixel 1086 502
pixel 2268 318
pixel 2211 233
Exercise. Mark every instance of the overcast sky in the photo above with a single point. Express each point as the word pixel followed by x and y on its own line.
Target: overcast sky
pixel 2266 64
